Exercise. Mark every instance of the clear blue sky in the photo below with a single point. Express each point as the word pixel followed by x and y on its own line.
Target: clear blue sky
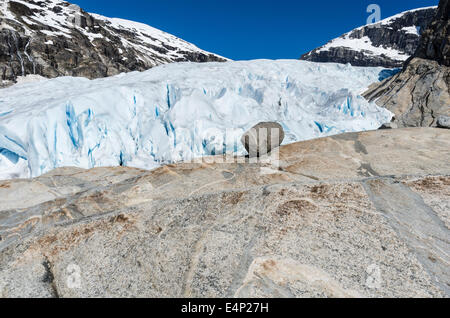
pixel 251 29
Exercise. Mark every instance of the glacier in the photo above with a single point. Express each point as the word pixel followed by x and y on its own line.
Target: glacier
pixel 177 112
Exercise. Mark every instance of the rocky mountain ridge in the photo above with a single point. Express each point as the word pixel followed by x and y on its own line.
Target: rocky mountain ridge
pixel 388 43
pixel 53 38
pixel 435 41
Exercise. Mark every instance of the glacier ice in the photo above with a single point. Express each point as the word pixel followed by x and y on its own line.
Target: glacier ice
pixel 176 112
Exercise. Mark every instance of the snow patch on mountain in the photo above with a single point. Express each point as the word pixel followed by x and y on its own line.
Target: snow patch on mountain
pixel 388 43
pixel 176 112
pixel 412 30
pixel 391 19
pixel 365 45
pixel 60 39
pixel 64 21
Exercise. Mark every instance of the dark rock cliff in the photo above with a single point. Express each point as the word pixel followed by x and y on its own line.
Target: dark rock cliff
pixel 435 41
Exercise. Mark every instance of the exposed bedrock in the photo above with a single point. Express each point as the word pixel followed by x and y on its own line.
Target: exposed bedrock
pixel 354 215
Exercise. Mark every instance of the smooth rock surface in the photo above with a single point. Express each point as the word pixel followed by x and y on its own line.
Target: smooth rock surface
pixel 355 215
pixel 417 96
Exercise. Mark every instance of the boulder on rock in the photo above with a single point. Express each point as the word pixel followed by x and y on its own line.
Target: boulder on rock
pixel 263 138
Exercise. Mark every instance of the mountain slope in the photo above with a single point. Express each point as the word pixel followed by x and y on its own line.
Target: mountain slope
pixel 176 112
pixel 420 94
pixel 55 38
pixel 435 41
pixel 388 43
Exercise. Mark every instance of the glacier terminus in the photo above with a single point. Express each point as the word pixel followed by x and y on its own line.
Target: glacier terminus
pixel 175 112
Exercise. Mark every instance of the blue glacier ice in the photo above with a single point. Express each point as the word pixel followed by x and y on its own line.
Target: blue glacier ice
pixel 384 74
pixel 177 112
